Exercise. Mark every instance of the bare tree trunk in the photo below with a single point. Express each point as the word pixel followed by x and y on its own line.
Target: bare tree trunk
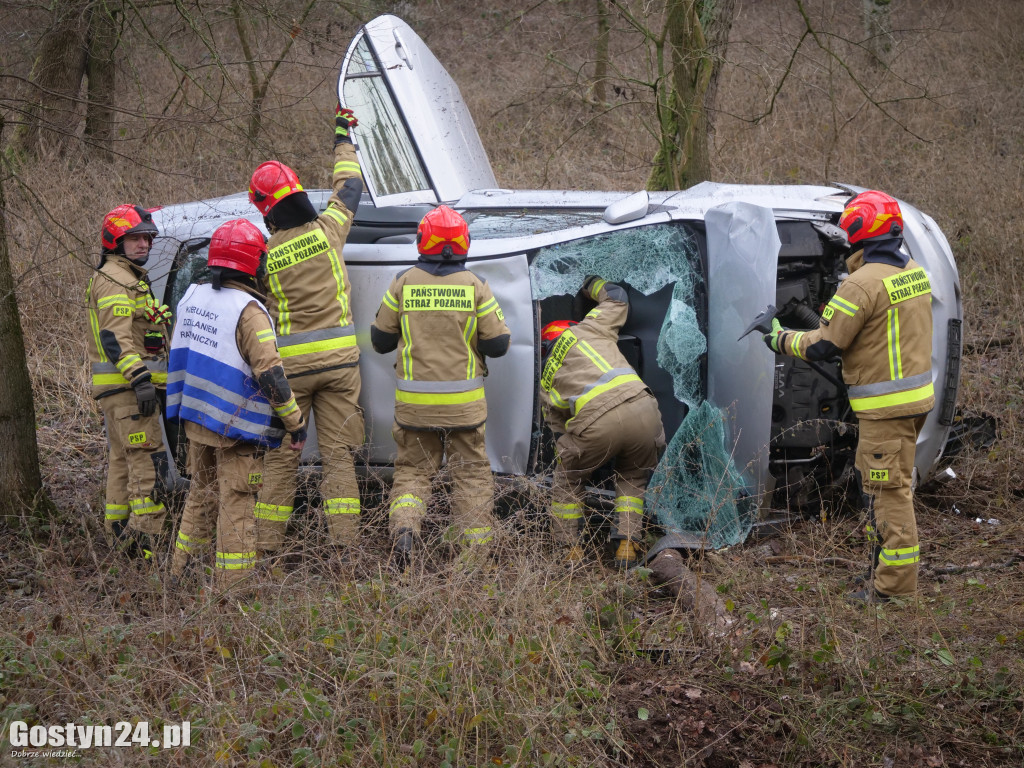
pixel 259 87
pixel 104 34
pixel 697 35
pixel 20 481
pixel 51 112
pixel 600 85
pixel 878 29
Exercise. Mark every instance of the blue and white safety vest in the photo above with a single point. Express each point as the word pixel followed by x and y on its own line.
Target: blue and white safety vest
pixel 208 382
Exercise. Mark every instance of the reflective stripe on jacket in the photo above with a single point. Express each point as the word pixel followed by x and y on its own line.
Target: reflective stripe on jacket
pixel 439 370
pixel 308 290
pixel 116 298
pixel 585 374
pixel 881 320
pixel 209 383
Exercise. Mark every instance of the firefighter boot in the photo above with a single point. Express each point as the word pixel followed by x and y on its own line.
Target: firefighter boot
pixel 867 596
pixel 401 550
pixel 123 541
pixel 626 556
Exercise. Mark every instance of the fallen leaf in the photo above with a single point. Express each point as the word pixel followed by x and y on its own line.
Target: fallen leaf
pixel 693 693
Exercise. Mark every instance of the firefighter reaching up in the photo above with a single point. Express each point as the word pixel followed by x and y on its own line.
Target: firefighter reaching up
pixel 309 297
pixel 880 321
pixel 128 360
pixel 599 409
pixel 227 384
pixel 444 321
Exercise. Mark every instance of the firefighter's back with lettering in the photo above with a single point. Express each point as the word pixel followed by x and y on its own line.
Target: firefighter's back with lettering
pixel 440 312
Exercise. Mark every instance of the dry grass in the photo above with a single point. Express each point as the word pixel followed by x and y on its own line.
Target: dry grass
pixel 529 665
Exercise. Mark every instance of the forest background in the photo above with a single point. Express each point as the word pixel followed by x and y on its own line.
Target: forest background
pixel 164 102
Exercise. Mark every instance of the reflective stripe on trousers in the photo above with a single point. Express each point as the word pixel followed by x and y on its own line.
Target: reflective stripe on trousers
pixel 274 512
pixel 117 511
pixel 235 561
pixel 346 506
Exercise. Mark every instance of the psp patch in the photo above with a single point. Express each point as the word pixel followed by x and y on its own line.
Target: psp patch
pixel 878 475
pixel 136 438
pixel 255 478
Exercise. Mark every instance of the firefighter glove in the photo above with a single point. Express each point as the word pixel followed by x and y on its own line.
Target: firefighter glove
pixel 157 313
pixel 344 120
pixel 774 338
pixel 153 342
pixel 145 394
pixel 583 301
pixel 298 438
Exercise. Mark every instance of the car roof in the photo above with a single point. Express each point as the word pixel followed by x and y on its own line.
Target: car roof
pixel 694 202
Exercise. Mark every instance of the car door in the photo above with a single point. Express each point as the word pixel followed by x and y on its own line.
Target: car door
pixel 743 254
pixel 416 140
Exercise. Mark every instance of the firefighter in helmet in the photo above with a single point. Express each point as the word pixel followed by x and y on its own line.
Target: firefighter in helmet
pixel 128 358
pixel 599 410
pixel 880 322
pixel 444 321
pixel 309 298
pixel 227 383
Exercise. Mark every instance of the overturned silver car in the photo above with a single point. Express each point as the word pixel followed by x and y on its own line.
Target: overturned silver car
pixel 748 432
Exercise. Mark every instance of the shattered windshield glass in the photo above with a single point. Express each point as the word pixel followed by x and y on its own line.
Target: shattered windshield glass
pixel 696 488
pixel 485 225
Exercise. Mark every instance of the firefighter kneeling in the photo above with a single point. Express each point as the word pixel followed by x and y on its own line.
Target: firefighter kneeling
pixel 443 320
pixel 227 384
pixel 880 321
pixel 599 410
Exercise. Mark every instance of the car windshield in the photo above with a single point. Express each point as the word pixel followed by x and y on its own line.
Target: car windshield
pixel 490 224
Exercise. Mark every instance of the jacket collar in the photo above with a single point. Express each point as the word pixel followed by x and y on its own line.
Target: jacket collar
pixel 878 252
pixel 441 268
pixel 123 261
pixel 239 286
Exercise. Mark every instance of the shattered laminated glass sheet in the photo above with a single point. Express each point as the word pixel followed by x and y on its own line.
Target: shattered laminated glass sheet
pixel 696 484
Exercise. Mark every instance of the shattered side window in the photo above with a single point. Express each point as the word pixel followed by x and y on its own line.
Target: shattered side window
pixel 189 267
pixel 696 488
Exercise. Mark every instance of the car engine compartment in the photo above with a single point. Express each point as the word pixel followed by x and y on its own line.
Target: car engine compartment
pixel 814 434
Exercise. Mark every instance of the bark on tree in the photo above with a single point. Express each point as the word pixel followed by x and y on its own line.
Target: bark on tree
pixel 21 494
pixel 600 84
pixel 101 70
pixel 697 34
pixel 878 29
pixel 51 111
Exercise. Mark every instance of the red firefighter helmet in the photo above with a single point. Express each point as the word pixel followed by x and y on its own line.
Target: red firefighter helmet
pixel 271 183
pixel 237 244
pixel 554 329
pixel 871 215
pixel 126 220
pixel 549 334
pixel 443 232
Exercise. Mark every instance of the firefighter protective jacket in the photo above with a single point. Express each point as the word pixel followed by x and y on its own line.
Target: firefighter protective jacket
pixel 440 370
pixel 117 297
pixel 223 344
pixel 880 319
pixel 585 374
pixel 309 295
